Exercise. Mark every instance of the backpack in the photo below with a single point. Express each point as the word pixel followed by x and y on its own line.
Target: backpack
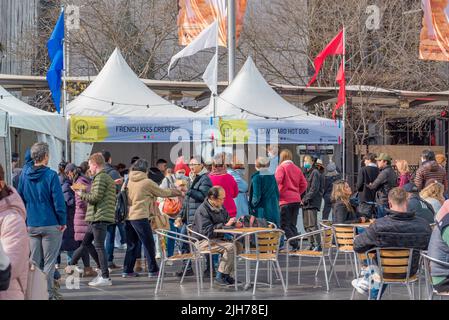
pixel 121 205
pixel 250 221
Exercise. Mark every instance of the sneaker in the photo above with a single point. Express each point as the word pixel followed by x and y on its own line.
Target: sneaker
pixel 152 275
pixel 158 256
pixel 100 282
pixel 130 275
pixel 221 281
pixel 229 280
pixel 169 263
pixel 361 285
pixel 122 247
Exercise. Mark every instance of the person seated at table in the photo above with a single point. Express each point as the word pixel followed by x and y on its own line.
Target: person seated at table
pixel 399 229
pixel 343 211
pixel 210 216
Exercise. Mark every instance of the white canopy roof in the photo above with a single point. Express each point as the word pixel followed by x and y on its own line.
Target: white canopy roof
pixel 24 116
pixel 250 97
pixel 117 91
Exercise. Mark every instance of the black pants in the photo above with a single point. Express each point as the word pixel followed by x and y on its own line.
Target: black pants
pixel 289 218
pixel 96 232
pixel 139 230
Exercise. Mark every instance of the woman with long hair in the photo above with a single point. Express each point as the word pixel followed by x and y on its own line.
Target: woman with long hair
pixel 404 173
pixel 343 212
pixel 433 194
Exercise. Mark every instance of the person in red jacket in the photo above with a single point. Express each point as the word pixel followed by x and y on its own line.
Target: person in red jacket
pixel 220 177
pixel 292 184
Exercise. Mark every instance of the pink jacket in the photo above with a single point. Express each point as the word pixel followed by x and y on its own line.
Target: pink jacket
pixel 14 238
pixel 291 183
pixel 232 190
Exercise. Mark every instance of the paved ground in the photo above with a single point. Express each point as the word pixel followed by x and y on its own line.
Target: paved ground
pixel 142 288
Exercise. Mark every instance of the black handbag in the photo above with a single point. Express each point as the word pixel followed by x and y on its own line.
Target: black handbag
pixel 5 277
pixel 121 205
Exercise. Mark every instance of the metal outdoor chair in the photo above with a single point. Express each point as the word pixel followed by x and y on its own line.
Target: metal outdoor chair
pixel 194 256
pixel 431 292
pixel 326 244
pixel 394 265
pixel 344 239
pixel 267 245
pixel 212 248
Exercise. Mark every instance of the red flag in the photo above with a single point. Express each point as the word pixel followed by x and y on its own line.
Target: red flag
pixel 335 47
pixel 342 93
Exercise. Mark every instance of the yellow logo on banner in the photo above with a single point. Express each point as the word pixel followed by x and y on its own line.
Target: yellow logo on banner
pixel 234 131
pixel 88 129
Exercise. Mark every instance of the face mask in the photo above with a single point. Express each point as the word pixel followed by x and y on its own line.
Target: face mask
pixel 307 165
pixel 179 175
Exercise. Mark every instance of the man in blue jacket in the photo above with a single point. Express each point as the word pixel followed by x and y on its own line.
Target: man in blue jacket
pixel 41 192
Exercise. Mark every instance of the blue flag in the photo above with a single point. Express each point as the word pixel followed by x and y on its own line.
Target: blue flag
pixel 56 53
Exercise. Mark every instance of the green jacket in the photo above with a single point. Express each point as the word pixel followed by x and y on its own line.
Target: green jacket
pixel 101 199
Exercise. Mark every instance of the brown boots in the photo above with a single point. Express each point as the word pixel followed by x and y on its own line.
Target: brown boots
pixel 89 272
pixel 141 267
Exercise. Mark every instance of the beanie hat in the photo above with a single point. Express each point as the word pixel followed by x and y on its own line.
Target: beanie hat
pixel 181 165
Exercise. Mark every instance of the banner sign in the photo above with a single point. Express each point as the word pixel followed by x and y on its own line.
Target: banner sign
pixel 225 131
pixel 434 39
pixel 195 15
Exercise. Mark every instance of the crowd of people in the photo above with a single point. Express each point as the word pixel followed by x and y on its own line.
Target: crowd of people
pixel 45 213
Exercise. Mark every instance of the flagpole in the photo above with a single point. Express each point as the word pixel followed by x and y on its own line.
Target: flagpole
pixel 231 39
pixel 344 107
pixel 64 80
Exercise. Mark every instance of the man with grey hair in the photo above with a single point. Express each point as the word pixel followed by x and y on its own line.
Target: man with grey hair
pixel 42 195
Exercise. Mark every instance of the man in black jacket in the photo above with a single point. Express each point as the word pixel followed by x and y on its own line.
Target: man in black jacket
pixel 367 175
pixel 211 215
pixel 400 229
pixel 385 181
pixel 157 174
pixel 311 200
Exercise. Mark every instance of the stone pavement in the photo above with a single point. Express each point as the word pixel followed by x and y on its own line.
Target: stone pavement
pixel 142 288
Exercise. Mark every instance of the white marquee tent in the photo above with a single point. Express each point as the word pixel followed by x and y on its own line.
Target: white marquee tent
pixel 250 97
pixel 117 91
pixel 49 127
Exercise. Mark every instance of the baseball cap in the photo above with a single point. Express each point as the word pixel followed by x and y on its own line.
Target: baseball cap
pixel 384 156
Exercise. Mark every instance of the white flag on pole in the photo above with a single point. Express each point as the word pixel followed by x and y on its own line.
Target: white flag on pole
pixel 206 39
pixel 211 74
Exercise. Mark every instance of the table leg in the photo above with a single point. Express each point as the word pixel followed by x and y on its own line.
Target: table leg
pixel 247 262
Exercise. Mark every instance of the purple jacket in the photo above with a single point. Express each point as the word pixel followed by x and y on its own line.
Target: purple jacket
pixel 80 211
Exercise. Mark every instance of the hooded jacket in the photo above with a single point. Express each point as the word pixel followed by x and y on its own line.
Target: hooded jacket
pixel 15 242
pixel 142 195
pixel 314 194
pixel 42 195
pixel 429 171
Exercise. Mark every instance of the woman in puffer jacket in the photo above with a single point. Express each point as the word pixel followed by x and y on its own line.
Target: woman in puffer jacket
pixel 14 239
pixel 80 225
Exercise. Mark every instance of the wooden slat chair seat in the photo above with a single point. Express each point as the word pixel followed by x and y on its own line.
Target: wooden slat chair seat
pixel 184 256
pixel 344 238
pixel 394 267
pixel 266 249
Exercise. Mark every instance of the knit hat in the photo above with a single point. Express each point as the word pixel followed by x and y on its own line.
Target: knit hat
pixel 181 165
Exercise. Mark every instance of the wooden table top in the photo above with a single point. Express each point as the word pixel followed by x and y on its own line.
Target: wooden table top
pixel 241 230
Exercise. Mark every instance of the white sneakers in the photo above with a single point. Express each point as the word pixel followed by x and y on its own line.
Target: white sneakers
pixel 361 285
pixel 99 281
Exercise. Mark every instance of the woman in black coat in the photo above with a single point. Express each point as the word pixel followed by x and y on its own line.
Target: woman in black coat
pixel 343 212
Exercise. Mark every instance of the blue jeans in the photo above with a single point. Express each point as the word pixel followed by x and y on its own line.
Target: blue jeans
pixel 374 292
pixel 170 242
pixel 110 239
